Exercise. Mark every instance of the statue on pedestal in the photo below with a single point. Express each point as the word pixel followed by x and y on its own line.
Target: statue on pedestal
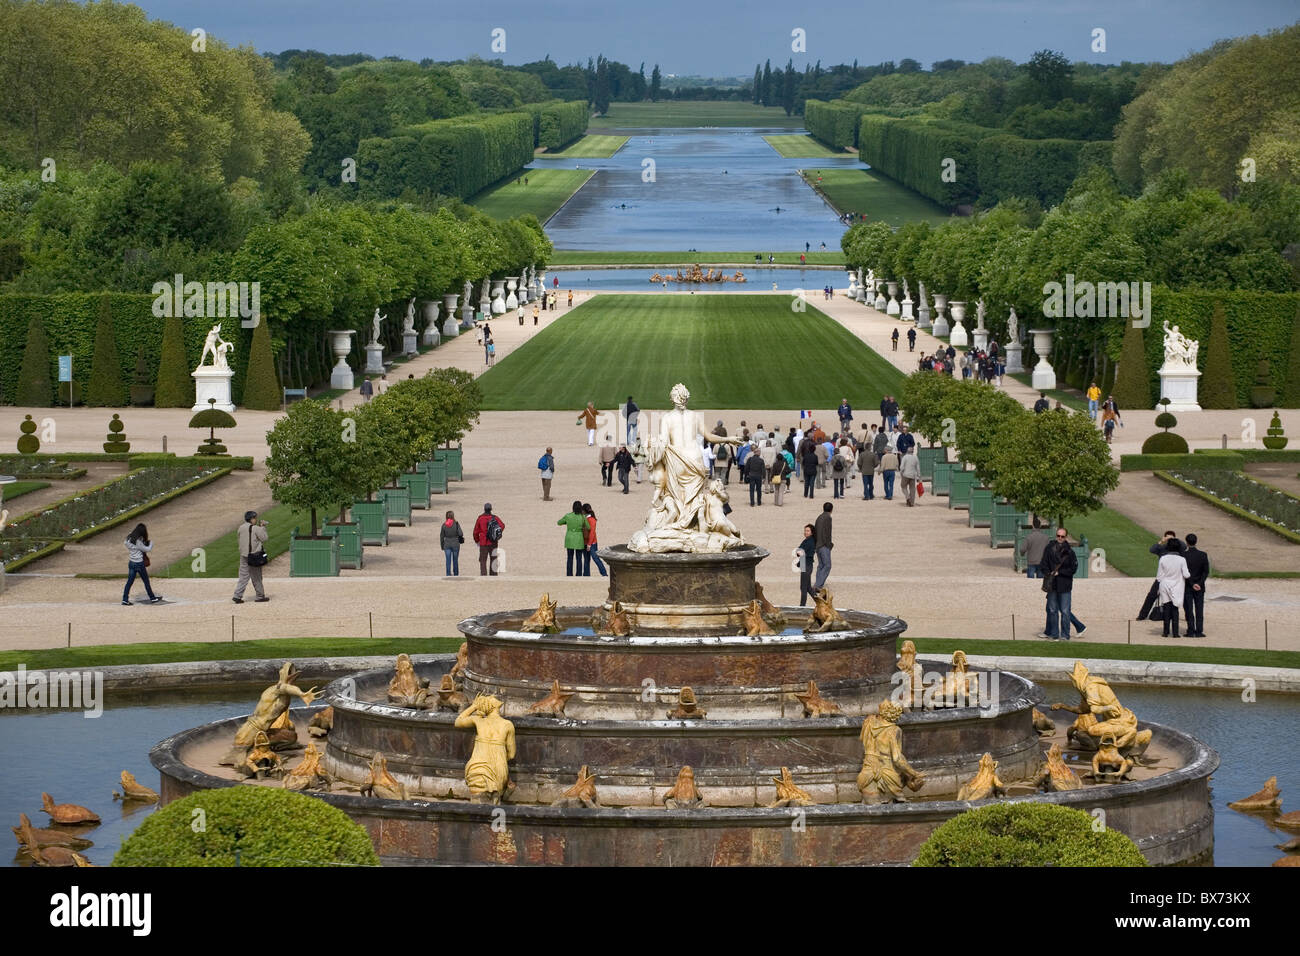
pixel 1013 327
pixel 979 315
pixel 374 327
pixel 408 323
pixel 1179 350
pixel 218 347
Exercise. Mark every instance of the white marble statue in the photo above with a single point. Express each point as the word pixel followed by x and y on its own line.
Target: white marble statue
pixel 686 511
pixel 979 314
pixel 1179 350
pixel 217 347
pixel 466 293
pixel 1013 327
pixel 920 291
pixel 408 324
pixel 374 326
pixel 906 292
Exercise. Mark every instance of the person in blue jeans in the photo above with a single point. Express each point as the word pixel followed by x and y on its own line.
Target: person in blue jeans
pixel 592 546
pixel 888 471
pixel 1059 565
pixel 450 538
pixel 138 547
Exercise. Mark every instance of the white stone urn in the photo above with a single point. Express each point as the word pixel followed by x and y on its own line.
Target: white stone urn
pixel 498 306
pixel 853 285
pixel 958 338
pixel 341 343
pixel 892 308
pixel 431 336
pixel 512 300
pixel 940 302
pixel 1044 376
pixel 940 318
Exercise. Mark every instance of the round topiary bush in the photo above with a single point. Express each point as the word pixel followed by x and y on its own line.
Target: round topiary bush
pixel 1166 420
pixel 117 443
pixel 1165 443
pixel 28 443
pixel 264 826
pixel 1026 834
pixel 212 418
pixel 1276 438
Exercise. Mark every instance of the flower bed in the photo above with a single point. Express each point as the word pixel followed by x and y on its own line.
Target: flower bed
pixel 1242 496
pixel 24 549
pixel 108 504
pixel 38 466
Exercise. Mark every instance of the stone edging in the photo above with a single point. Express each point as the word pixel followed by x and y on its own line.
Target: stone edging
pixel 1157 673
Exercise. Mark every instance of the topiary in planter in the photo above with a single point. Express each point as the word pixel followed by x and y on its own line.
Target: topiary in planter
pixel 1026 834
pixel 28 443
pixel 1165 442
pixel 1275 439
pixel 117 443
pixel 1262 393
pixel 248 826
pixel 212 418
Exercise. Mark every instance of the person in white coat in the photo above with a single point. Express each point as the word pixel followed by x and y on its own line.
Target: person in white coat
pixel 1171 574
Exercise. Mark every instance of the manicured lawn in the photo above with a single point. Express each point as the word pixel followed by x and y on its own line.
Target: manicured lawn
pixel 687 113
pixel 19 488
pixel 222 555
pixel 798 146
pixel 731 351
pixel 547 191
pixel 590 147
pixel 1124 541
pixel 876 196
pixel 1081 648
pixel 281 648
pixel 581 257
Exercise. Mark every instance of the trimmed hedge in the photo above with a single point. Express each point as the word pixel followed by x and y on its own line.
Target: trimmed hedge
pixel 1253 454
pixel 1202 458
pixel 1027 834
pixel 1009 166
pixel 915 151
pixel 34 378
pixel 1165 443
pixel 248 826
pixel 1236 511
pixel 834 123
pixel 452 157
pixel 107 383
pixel 261 384
pixel 559 123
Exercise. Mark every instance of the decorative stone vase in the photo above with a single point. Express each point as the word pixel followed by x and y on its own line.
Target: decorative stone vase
pixel 853 285
pixel 512 300
pixel 958 338
pixel 1044 376
pixel 940 319
pixel 892 308
pixel 498 303
pixel 940 303
pixel 431 336
pixel 341 342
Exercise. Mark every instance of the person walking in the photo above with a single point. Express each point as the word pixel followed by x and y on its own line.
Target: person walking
pixel 867 469
pixel 840 465
pixel 491 352
pixel 1094 396
pixel 755 474
pixel 367 389
pixel 546 465
pixel 488 530
pixel 906 440
pixel 450 538
pixel 587 418
pixel 779 473
pixel 893 339
pixel 606 458
pixel 888 470
pixel 846 416
pixel 251 540
pixel 1108 422
pixel 805 554
pixel 1171 575
pixel 1058 567
pixel 592 545
pixel 1042 404
pixel 138 547
pixel 822 534
pixel 1198 568
pixel 1032 547
pixel 911 339
pixel 576 529
pixel 537 311
pixel 808 459
pixel 623 465
pixel 879 440
pixel 909 469
pixel 633 413
pixel 570 298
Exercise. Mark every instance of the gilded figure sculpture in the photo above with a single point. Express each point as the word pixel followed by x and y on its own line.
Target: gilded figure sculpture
pixel 408 689
pixel 542 621
pixel 552 705
pixel 1055 776
pixel 885 771
pixel 380 783
pixel 488 771
pixel 67 813
pixel 619 622
pixel 1108 764
pixel 824 615
pixel 261 760
pixel 322 723
pixel 582 793
pixel 132 791
pixel 755 624
pixel 788 793
pixel 957 682
pixel 461 666
pixel 308 774
pixel 1269 798
pixel 985 783
pixel 908 692
pixel 814 704
pixel 449 698
pixel 1100 712
pixel 771 613
pixel 1043 724
pixel 688 707
pixel 271 705
pixel 684 795
pixel 30 836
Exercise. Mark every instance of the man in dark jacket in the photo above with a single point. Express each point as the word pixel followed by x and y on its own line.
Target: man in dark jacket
pixel 822 534
pixel 1058 566
pixel 808 459
pixel 880 442
pixel 487 532
pixel 755 474
pixel 906 441
pixel 1198 565
pixel 623 465
pixel 1042 404
pixel 846 415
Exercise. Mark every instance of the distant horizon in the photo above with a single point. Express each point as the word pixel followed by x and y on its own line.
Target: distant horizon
pixel 686 45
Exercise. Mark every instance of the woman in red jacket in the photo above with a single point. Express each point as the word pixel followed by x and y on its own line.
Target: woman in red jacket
pixel 591 545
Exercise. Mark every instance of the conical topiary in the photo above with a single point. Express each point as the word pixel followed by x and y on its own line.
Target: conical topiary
pixel 261 384
pixel 28 443
pixel 212 418
pixel 1218 384
pixel 106 384
pixel 1262 392
pixel 1132 379
pixel 34 385
pixel 117 443
pixel 142 385
pixel 175 387
pixel 1276 438
pixel 1165 442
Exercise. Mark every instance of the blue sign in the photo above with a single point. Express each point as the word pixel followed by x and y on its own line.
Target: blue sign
pixel 65 368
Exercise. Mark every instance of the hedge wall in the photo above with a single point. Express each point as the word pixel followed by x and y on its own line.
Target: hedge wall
pixel 453 157
pixel 834 123
pixel 913 152
pixel 1009 166
pixel 560 123
pixel 69 321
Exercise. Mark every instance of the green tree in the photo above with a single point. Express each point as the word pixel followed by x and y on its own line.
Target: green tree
pixel 107 386
pixel 983 417
pixel 1218 385
pixel 175 386
pixel 261 383
pixel 1055 464
pixel 310 462
pixel 1133 380
pixel 656 84
pixel 34 386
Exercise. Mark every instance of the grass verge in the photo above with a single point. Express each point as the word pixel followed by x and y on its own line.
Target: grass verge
pixel 693 113
pixel 878 197
pixel 547 191
pixel 20 488
pixel 108 655
pixel 581 257
pixel 1070 399
pixel 801 146
pixel 221 557
pixel 591 146
pixel 1082 649
pixel 1124 541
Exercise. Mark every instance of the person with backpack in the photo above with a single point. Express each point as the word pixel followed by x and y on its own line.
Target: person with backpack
pixel 839 471
pixel 450 538
pixel 576 530
pixel 592 545
pixel 722 459
pixel 546 465
pixel 781 468
pixel 487 535
pixel 138 547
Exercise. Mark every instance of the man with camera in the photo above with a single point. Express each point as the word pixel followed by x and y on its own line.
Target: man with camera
pixel 252 556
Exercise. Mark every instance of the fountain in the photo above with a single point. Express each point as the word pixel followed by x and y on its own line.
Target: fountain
pixel 698 720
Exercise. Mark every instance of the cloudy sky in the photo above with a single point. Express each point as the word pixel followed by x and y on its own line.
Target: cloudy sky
pixel 710 38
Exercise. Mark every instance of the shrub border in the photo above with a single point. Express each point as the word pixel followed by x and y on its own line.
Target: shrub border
pixel 1229 508
pixel 45 552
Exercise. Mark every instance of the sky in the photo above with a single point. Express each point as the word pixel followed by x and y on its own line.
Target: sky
pixel 687 37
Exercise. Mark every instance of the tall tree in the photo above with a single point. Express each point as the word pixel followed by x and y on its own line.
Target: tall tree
pixel 766 99
pixel 602 95
pixel 656 80
pixel 758 85
pixel 787 88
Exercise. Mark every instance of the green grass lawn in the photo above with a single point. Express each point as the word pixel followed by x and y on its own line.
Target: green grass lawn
pixel 20 488
pixel 581 257
pixel 547 191
pixel 222 555
pixel 693 113
pixel 590 146
pixel 799 146
pixel 1070 399
pixel 280 648
pixel 876 196
pixel 731 351
pixel 1124 541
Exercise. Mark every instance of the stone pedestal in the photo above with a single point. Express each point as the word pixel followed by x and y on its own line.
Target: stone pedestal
pixel 410 342
pixel 891 308
pixel 374 359
pixel 880 304
pixel 981 339
pixel 512 300
pixel 498 302
pixel 958 338
pixel 1179 386
pixel 466 320
pixel 906 313
pixel 923 318
pixel 1044 376
pixel 341 374
pixel 1013 358
pixel 212 383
